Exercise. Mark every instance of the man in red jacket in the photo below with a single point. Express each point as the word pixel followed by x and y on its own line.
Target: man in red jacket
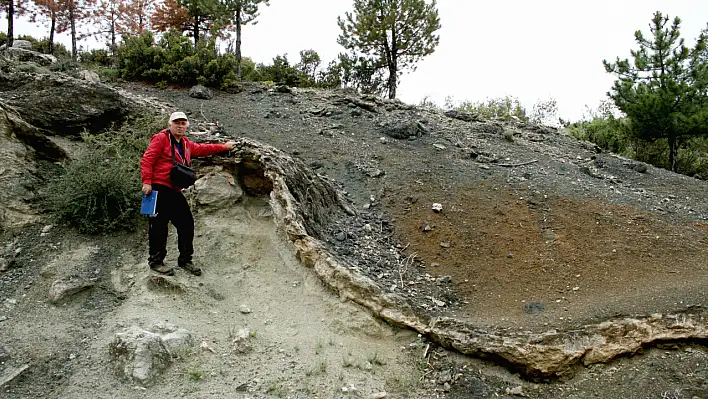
pixel 172 207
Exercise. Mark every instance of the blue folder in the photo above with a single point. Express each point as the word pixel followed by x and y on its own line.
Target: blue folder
pixel 149 204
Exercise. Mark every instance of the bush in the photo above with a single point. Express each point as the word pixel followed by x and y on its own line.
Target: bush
pixel 100 190
pixel 110 74
pixel 96 57
pixel 610 134
pixel 138 59
pixel 505 107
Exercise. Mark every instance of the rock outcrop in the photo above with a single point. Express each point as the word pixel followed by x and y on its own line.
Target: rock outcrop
pixel 546 355
pixel 142 355
pixel 25 55
pixel 20 146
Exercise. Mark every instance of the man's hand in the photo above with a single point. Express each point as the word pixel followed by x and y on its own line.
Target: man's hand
pixel 230 145
pixel 147 189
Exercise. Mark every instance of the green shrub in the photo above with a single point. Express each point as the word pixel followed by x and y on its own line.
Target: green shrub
pixel 110 74
pixel 100 190
pixel 65 65
pixel 96 57
pixel 505 107
pixel 138 59
pixel 610 134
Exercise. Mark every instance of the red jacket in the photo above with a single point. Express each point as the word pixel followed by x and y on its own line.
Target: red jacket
pixel 157 160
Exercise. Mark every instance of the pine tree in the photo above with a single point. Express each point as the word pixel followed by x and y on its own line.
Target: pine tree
pixel 242 12
pixel 12 9
pixel 48 10
pixel 136 17
pixel 396 33
pixel 194 16
pixel 663 91
pixel 71 13
pixel 106 19
pixel 309 64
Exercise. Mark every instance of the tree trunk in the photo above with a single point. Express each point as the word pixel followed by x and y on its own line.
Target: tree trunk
pixel 195 28
pixel 10 22
pixel 141 17
pixel 50 45
pixel 672 152
pixel 393 67
pixel 113 44
pixel 72 21
pixel 239 69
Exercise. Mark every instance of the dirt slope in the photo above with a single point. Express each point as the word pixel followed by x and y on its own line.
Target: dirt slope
pixel 572 237
pixel 538 232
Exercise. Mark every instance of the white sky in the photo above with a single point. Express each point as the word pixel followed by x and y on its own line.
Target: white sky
pixel 528 49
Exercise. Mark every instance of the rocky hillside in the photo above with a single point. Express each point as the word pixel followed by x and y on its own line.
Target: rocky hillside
pixel 497 239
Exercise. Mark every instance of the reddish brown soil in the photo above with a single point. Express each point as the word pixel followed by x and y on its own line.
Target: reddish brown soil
pixel 507 253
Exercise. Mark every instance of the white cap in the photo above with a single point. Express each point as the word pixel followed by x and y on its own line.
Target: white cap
pixel 178 115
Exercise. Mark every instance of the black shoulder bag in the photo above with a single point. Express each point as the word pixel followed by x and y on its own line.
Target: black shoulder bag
pixel 181 175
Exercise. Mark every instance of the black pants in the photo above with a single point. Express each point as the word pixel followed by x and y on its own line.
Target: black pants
pixel 171 207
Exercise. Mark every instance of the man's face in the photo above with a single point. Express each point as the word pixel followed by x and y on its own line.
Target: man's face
pixel 179 127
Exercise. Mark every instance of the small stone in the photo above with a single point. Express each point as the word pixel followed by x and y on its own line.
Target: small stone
pixel 437 207
pixel 47 228
pixel 445 244
pixel 205 347
pixel 510 255
pixel 368 366
pixel 244 309
pixel 62 289
pixel 341 236
pixel 445 376
pixel 435 264
pixel 516 391
pixel 446 387
pixel 367 206
pixel 439 304
pixel 367 227
pixel 3 318
pixel 375 173
pixel 378 395
pixel 426 227
pixel 4 264
pixel 439 147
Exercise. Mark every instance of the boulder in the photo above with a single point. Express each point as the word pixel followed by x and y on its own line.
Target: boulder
pixel 139 355
pixel 201 92
pixel 23 44
pixel 217 190
pixel 89 76
pixel 42 102
pixel 175 339
pixel 25 55
pixel 402 130
pixel 463 116
pixel 63 289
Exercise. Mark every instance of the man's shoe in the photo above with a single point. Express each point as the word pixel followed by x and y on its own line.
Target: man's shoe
pixel 162 269
pixel 189 266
